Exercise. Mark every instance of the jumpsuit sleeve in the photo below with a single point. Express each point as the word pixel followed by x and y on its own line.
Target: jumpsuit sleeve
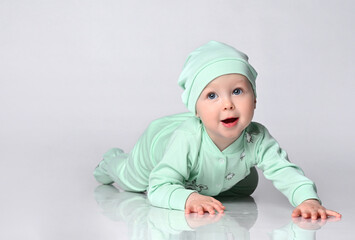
pixel 166 182
pixel 286 176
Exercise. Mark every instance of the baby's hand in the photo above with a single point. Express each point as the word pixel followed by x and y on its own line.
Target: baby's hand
pixel 311 208
pixel 197 203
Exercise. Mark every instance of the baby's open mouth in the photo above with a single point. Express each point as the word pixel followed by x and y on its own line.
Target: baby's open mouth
pixel 229 120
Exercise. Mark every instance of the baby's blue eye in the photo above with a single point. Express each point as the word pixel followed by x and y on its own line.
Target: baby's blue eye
pixel 237 91
pixel 212 95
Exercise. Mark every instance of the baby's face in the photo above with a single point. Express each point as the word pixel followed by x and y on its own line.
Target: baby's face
pixel 226 107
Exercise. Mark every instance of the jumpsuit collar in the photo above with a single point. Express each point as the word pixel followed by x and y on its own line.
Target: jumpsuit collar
pixel 235 147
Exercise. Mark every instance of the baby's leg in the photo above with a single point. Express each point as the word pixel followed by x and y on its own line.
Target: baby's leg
pixel 119 168
pixel 245 187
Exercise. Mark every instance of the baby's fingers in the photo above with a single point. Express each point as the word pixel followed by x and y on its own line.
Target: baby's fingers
pixel 210 209
pixel 305 214
pixel 332 213
pixel 322 213
pixel 200 210
pixel 219 207
pixel 188 211
pixel 296 213
pixel 218 203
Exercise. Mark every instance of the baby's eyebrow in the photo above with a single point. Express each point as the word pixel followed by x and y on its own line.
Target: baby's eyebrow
pixel 209 88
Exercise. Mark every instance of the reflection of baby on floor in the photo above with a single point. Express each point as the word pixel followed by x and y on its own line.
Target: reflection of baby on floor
pixel 300 229
pixel 148 222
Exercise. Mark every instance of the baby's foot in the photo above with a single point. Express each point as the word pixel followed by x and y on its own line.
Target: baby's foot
pixel 101 176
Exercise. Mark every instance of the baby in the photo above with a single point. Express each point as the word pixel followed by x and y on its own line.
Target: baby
pixel 184 159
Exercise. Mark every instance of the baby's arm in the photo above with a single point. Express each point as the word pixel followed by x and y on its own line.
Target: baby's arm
pixel 311 208
pixel 197 203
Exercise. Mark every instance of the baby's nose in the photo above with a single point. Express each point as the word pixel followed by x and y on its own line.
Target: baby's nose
pixel 228 105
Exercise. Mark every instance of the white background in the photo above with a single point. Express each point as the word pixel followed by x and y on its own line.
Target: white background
pixel 79 77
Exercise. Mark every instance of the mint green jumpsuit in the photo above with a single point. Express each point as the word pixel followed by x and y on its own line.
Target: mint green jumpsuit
pixel 175 157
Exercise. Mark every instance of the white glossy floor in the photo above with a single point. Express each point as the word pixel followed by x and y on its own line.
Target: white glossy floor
pixel 60 199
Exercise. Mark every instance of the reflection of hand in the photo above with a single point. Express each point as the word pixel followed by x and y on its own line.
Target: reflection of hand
pixel 312 224
pixel 197 203
pixel 197 220
pixel 146 221
pixel 311 208
pixel 309 224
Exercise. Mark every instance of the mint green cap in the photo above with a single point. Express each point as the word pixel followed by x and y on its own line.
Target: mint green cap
pixel 208 62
